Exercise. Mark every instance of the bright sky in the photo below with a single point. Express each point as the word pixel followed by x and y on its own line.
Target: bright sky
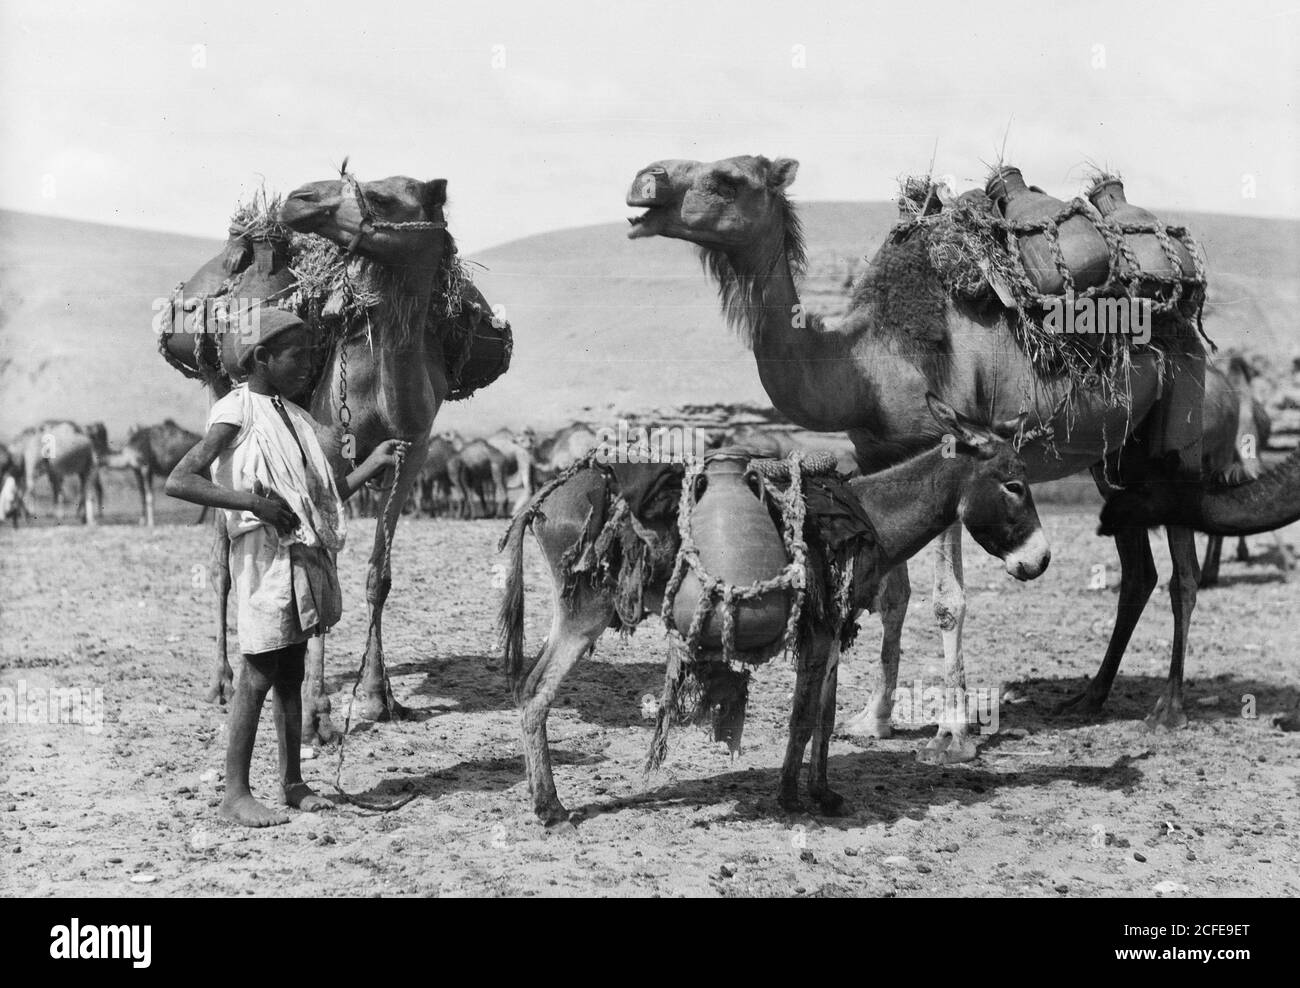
pixel 161 115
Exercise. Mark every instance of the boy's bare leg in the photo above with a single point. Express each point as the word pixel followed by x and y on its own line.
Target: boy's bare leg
pixel 287 710
pixel 239 806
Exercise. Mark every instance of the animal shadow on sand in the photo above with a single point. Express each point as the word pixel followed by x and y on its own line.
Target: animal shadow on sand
pixel 600 692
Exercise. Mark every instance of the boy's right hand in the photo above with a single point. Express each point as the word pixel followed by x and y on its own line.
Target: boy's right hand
pixel 273 509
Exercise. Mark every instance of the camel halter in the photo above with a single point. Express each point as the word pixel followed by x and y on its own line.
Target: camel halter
pixel 368 215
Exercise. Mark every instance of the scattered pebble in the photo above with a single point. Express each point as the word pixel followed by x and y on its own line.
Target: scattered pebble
pixel 143 879
pixel 1168 888
pixel 896 861
pixel 924 869
pixel 1139 856
pixel 210 776
pixel 726 871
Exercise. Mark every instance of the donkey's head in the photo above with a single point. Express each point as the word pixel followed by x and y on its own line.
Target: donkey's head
pixel 996 505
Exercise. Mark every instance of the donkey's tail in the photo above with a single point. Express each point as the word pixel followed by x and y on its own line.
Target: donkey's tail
pixel 510 620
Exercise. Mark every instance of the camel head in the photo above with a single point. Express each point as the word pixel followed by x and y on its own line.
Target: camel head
pixel 997 507
pixel 724 205
pixel 388 220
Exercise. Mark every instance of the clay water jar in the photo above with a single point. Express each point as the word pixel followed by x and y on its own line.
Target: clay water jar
pixel 1082 247
pixel 1109 198
pixel 739 544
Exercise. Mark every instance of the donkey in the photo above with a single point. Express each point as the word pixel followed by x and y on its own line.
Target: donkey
pixel 975 476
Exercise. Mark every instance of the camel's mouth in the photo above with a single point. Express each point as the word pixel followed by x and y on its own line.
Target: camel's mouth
pixel 647 224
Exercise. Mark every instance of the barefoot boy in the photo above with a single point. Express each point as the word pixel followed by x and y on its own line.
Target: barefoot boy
pixel 284 515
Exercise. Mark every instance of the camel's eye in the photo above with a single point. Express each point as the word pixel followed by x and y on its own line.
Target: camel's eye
pixel 724 187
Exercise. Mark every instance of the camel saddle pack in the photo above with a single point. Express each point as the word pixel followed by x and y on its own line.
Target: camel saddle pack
pixel 197 325
pixel 1012 245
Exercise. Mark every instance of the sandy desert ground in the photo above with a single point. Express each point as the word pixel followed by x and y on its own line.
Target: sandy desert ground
pixel 1054 806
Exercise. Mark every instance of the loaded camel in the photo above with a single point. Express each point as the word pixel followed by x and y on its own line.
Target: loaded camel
pixel 868 378
pixel 393 377
pixel 909 503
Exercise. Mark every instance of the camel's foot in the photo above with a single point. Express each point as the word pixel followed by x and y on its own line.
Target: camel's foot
pixel 829 802
pixel 379 705
pixel 1087 702
pixel 1166 715
pixel 222 688
pixel 948 749
pixel 555 817
pixel 788 799
pixel 866 725
pixel 317 727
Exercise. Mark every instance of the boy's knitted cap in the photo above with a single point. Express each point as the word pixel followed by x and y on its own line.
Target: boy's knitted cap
pixel 270 324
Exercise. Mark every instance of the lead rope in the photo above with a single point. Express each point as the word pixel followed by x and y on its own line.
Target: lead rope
pixel 400 801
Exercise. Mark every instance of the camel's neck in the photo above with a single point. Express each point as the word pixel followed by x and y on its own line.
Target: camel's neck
pixel 913 502
pixel 389 383
pixel 808 371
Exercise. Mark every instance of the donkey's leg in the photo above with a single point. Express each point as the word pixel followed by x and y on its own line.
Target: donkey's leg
pixel 144 506
pixel 575 626
pixel 378 702
pixel 891 601
pixel 952 742
pixel 221 686
pixel 1168 711
pixel 1210 568
pixel 830 802
pixel 317 728
pixel 1137 580
pixel 805 714
pixel 1243 551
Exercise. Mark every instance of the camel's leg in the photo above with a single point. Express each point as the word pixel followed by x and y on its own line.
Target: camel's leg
pixel 1168 711
pixel 147 484
pixel 805 715
pixel 378 702
pixel 144 505
pixel 1137 580
pixel 952 741
pixel 317 728
pixel 891 601
pixel 95 498
pixel 1210 568
pixel 575 626
pixel 502 506
pixel 1285 561
pixel 221 687
pixel 830 802
pixel 56 492
pixel 1243 551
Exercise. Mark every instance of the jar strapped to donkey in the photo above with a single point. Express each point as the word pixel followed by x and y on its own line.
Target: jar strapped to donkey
pixel 696 544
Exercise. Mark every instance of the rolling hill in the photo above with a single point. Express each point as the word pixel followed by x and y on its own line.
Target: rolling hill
pixel 603 325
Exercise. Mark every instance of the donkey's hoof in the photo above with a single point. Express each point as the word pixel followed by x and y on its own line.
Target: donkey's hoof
pixel 831 803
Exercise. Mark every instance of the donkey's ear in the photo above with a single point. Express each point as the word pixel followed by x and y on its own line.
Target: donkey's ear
pixel 435 194
pixel 781 177
pixel 966 432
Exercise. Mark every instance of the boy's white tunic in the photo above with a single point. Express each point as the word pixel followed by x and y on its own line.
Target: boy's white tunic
pixel 286 587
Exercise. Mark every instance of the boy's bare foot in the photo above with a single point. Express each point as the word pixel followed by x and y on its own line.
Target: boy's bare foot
pixel 247 811
pixel 305 798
